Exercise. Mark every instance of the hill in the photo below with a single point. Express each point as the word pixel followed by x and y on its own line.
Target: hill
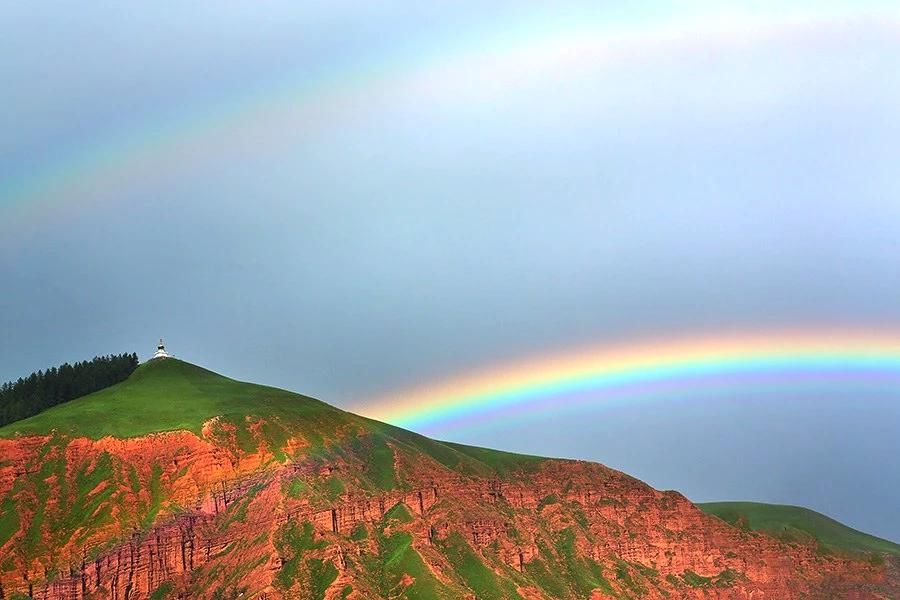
pixel 166 395
pixel 182 483
pixel 173 395
pixel 797 524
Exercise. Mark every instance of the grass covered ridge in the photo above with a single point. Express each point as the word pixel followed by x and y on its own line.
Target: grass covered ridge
pixel 172 395
pixel 794 523
pixel 168 395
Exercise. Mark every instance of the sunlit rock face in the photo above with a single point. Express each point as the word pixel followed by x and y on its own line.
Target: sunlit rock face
pixel 184 515
pixel 334 506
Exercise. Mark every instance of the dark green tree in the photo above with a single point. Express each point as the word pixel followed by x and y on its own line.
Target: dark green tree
pixel 25 397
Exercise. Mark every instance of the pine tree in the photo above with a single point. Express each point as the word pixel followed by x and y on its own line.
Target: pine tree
pixel 26 397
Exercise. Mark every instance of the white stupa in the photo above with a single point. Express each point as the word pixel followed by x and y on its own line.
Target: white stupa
pixel 161 351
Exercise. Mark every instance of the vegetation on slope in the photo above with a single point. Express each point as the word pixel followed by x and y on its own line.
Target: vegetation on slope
pixel 165 395
pixel 342 456
pixel 794 523
pixel 170 395
pixel 30 395
pixel 399 568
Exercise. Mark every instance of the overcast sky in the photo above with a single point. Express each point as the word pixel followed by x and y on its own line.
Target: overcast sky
pixel 349 200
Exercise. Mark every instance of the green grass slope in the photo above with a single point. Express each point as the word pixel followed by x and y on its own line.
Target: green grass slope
pixel 797 524
pixel 166 395
pixel 172 395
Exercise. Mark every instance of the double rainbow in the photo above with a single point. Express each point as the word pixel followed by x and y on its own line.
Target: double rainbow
pixel 624 372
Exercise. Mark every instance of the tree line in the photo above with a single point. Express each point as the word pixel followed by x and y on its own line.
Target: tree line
pixel 39 391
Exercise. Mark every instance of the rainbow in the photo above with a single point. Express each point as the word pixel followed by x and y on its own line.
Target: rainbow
pixel 622 373
pixel 102 168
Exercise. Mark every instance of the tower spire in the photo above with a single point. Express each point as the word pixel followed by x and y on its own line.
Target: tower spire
pixel 161 350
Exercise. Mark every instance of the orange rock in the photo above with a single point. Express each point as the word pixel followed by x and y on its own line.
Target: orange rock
pixel 195 514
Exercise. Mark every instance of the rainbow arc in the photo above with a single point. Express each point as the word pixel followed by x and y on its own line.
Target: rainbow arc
pixel 621 373
pixel 539 43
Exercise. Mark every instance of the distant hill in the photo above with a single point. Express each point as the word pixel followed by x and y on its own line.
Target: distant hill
pixel 795 523
pixel 181 483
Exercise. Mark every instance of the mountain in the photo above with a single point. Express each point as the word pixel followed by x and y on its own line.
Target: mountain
pixel 181 483
pixel 798 524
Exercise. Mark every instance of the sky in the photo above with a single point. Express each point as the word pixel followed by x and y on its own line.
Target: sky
pixel 354 200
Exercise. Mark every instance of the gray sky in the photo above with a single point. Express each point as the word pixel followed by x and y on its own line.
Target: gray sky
pixel 349 200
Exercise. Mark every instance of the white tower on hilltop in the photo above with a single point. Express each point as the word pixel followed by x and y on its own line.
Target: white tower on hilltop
pixel 161 350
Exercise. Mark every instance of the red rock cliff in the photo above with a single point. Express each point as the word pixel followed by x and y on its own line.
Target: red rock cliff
pixel 181 516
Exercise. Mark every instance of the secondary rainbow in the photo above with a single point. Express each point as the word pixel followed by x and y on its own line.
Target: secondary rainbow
pixel 623 372
pixel 500 58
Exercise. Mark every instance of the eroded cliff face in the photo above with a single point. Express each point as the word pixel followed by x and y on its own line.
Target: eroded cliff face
pixel 369 514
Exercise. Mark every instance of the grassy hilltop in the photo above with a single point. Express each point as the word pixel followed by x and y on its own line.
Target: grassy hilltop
pixel 165 395
pixel 172 395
